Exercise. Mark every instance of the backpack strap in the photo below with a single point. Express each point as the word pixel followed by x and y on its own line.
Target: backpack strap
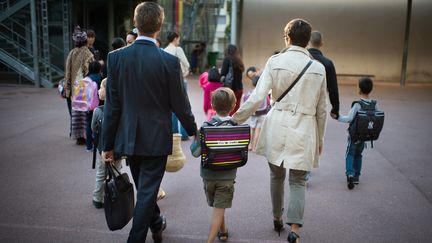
pixel 216 121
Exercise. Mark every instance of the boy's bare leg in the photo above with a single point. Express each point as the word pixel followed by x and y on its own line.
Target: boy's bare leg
pixel 255 139
pixel 218 222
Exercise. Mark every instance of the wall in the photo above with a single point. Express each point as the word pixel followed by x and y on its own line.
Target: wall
pixel 361 37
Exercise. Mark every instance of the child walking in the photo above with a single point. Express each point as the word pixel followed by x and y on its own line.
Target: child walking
pixel 213 83
pixel 353 156
pixel 219 185
pixel 257 119
pixel 101 172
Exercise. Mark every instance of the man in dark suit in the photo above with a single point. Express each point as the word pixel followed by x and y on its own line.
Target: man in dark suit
pixel 144 86
pixel 315 44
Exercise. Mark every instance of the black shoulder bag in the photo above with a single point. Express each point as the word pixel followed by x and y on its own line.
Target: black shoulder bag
pixel 295 81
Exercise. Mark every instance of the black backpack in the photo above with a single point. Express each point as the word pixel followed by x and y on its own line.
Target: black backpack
pixel 213 75
pixel 97 136
pixel 367 123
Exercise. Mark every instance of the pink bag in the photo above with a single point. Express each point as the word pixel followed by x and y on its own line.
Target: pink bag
pixel 84 96
pixel 203 79
pixel 210 114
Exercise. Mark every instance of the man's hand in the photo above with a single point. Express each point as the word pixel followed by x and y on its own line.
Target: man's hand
pixel 108 156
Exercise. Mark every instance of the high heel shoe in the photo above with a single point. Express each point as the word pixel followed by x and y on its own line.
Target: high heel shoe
pixel 278 225
pixel 292 237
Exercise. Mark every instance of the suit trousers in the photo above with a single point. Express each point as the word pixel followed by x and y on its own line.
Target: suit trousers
pixel 147 173
pixel 297 182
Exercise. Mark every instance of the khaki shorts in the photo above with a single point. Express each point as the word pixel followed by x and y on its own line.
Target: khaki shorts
pixel 219 193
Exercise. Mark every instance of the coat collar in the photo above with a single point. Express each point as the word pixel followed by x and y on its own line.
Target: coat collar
pixel 299 49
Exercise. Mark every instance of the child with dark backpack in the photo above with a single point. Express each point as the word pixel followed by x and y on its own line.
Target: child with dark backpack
pixel 366 123
pixel 101 172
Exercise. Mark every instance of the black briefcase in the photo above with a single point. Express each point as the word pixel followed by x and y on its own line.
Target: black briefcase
pixel 119 201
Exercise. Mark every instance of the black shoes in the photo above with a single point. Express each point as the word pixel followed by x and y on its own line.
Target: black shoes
pixel 157 236
pixel 278 225
pixel 350 180
pixel 292 237
pixel 356 180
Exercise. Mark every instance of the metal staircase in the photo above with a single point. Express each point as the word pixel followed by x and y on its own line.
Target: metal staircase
pixel 28 53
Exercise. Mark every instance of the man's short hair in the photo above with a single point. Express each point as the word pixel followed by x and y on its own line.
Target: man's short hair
pixel 316 39
pixel 223 100
pixel 117 43
pixel 365 85
pixel 299 31
pixel 148 17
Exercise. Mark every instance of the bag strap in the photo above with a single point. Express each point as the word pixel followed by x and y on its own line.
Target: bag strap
pixel 295 81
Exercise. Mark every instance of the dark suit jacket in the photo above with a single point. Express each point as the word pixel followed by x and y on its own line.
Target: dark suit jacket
pixel 144 85
pixel 332 86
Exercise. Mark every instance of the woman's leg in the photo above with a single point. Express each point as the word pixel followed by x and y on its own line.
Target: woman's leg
pixel 277 182
pixel 174 121
pixel 297 181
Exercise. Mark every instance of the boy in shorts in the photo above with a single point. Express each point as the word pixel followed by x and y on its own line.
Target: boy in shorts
pixel 219 185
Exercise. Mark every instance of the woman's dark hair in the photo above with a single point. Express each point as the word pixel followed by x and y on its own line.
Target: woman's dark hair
pixel 91 33
pixel 118 43
pixel 133 33
pixel 365 85
pixel 232 52
pixel 171 36
pixel 299 31
pixel 94 67
pixel 80 43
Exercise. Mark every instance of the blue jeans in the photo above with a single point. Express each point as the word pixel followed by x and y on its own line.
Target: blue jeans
pixel 353 158
pixel 175 121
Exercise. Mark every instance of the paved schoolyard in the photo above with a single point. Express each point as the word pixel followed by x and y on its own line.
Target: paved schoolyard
pixel 47 180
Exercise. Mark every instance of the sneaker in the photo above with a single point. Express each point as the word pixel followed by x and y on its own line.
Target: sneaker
pixel 356 180
pixel 97 204
pixel 350 180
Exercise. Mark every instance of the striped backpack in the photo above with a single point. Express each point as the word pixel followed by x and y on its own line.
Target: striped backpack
pixel 224 145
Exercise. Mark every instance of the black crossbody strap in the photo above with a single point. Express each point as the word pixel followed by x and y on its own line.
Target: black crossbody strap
pixel 295 81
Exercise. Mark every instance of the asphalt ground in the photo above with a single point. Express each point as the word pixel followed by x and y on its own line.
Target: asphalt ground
pixel 47 181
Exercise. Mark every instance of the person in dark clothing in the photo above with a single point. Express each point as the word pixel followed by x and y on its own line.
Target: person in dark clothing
pixel 315 44
pixel 232 56
pixel 144 86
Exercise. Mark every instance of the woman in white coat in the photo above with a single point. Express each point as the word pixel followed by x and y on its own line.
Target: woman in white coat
pixel 174 48
pixel 293 132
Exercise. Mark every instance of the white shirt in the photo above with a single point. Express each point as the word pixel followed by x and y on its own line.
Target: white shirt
pixel 141 37
pixel 179 53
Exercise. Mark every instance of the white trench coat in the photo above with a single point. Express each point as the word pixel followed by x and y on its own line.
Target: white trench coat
pixel 294 128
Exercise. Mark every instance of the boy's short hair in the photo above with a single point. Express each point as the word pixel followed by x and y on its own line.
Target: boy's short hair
pixel 118 43
pixel 94 67
pixel 365 85
pixel 223 100
pixel 299 31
